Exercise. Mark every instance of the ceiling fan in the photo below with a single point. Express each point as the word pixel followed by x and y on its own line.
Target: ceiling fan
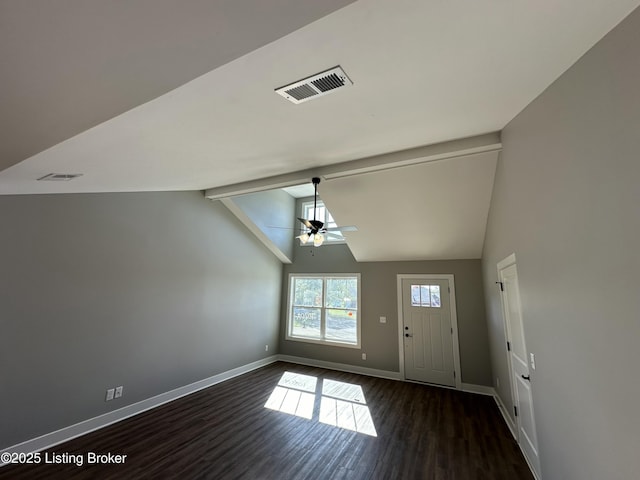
pixel 317 231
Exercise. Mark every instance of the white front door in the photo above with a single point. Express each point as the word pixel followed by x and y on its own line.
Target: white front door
pixel 519 363
pixel 427 331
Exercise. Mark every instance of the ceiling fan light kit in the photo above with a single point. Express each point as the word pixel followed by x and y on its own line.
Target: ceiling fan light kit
pixel 317 231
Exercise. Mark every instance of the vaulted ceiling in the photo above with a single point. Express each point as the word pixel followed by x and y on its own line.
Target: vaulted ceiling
pixel 151 95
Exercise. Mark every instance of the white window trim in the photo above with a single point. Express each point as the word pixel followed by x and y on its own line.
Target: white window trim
pixel 288 335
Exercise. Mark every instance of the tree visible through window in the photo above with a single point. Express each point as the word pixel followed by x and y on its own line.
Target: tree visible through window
pixel 324 309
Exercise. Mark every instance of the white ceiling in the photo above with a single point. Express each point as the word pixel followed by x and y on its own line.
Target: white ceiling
pixel 154 95
pixel 431 211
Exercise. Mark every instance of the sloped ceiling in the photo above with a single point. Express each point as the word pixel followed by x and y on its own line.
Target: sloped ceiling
pixel 431 211
pixel 69 66
pixel 151 95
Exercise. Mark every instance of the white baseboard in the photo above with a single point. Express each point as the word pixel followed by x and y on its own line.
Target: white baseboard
pixel 65 434
pixel 512 429
pixel 479 389
pixel 341 367
pixel 505 415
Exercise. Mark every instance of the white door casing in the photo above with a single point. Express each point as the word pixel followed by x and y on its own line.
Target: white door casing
pixel 428 336
pixel 520 374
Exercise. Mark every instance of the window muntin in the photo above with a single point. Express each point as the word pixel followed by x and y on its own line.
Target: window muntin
pixel 425 296
pixel 324 309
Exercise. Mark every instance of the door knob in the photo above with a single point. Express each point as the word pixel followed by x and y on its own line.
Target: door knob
pixel 408 334
pixel 526 377
pixel 406 328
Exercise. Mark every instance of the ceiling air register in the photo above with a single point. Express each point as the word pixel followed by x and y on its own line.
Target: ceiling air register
pixel 315 86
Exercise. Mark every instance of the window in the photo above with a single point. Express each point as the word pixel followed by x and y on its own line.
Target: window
pixel 324 309
pixel 425 296
pixel 324 216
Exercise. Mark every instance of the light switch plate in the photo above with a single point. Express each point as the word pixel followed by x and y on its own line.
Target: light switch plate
pixel 383 319
pixel 109 396
pixel 533 361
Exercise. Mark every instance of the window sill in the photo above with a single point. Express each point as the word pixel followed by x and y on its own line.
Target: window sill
pixel 328 343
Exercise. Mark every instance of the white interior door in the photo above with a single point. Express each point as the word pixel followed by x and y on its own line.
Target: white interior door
pixel 427 331
pixel 519 363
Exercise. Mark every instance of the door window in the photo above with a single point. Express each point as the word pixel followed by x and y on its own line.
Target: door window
pixel 425 296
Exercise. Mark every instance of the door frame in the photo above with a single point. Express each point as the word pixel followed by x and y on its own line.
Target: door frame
pixel 513 420
pixel 515 426
pixel 454 321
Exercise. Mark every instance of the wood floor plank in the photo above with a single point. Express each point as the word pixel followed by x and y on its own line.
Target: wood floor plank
pixel 225 432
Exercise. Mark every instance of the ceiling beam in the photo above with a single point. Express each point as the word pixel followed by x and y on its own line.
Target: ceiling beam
pixel 413 156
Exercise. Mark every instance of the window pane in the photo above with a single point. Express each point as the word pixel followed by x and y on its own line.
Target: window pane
pixel 435 295
pixel 424 296
pixel 306 322
pixel 307 292
pixel 330 222
pixel 342 325
pixel 320 213
pixel 342 293
pixel 415 295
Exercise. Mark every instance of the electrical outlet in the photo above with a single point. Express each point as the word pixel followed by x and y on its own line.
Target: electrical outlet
pixel 109 396
pixel 266 348
pixel 364 356
pixel 118 391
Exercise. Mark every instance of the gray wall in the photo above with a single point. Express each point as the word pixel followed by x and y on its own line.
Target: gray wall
pixel 379 298
pixel 566 201
pixel 152 291
pixel 267 210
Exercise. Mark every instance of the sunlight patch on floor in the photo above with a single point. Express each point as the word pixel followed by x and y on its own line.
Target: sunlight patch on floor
pixel 342 404
pixel 294 394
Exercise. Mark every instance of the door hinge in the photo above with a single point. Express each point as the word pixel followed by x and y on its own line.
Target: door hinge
pixel 501 286
pixel 508 346
pixel 454 374
pixel 451 330
pixel 449 289
pixel 515 410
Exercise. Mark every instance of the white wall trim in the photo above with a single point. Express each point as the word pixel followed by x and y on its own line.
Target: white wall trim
pixel 479 389
pixel 465 387
pixel 341 367
pixel 65 434
pixel 505 415
pixel 454 320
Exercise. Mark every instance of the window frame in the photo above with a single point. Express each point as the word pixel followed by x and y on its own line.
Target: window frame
pixel 323 320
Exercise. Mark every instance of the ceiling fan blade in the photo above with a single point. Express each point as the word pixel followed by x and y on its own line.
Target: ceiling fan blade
pixel 346 228
pixel 306 223
pixel 282 228
pixel 334 235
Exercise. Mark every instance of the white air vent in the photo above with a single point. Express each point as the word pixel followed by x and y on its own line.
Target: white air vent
pixel 60 177
pixel 315 86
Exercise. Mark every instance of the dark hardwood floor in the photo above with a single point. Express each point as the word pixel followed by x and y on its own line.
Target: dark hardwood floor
pixel 225 432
